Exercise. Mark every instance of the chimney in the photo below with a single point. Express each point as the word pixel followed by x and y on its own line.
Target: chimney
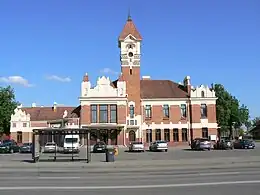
pixel 146 78
pixel 85 78
pixel 33 105
pixel 187 85
pixel 54 107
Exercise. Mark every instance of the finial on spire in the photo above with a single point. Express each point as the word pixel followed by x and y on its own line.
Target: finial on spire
pixel 129 15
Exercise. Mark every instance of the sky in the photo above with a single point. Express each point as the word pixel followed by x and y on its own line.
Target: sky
pixel 47 46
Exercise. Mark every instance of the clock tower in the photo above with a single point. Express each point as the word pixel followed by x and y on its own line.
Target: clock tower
pixel 129 43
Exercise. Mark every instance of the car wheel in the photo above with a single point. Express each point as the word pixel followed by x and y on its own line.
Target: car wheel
pixel 12 151
pixel 166 150
pixel 209 149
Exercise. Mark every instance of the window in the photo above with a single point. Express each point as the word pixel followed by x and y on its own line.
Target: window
pixel 158 134
pixel 166 111
pixel 184 134
pixel 131 71
pixel 203 94
pixel 93 113
pixel 149 137
pixel 176 135
pixel 132 111
pixel 24 124
pixel 148 111
pixel 103 115
pixel 203 110
pixel 14 125
pixel 183 111
pixel 167 135
pixel 205 132
pixel 113 113
pixel 19 137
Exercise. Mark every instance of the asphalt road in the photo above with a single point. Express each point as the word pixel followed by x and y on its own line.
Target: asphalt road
pixel 227 181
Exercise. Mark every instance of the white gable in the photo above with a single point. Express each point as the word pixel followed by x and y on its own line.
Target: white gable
pixel 203 92
pixel 20 115
pixel 103 88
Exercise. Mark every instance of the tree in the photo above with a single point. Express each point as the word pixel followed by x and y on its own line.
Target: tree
pixel 256 121
pixel 7 106
pixel 229 112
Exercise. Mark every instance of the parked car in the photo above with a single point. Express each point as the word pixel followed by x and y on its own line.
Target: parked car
pixel 71 144
pixel 224 144
pixel 201 144
pixel 50 147
pixel 26 148
pixel 159 146
pixel 244 144
pixel 136 147
pixel 99 147
pixel 9 147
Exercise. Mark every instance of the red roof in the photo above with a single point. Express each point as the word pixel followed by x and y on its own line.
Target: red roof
pixel 48 113
pixel 130 29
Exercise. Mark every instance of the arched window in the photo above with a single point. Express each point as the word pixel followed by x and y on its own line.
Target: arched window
pixel 202 94
pixel 132 136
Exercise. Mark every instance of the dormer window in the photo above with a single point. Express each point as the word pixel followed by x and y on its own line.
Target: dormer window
pixel 202 94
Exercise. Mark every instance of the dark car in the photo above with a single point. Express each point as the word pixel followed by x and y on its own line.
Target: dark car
pixel 99 147
pixel 224 144
pixel 244 144
pixel 26 148
pixel 9 147
pixel 201 144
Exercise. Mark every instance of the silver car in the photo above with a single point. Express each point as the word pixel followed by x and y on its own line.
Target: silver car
pixel 136 147
pixel 159 145
pixel 50 147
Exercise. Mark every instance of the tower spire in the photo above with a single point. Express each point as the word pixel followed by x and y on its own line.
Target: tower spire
pixel 129 15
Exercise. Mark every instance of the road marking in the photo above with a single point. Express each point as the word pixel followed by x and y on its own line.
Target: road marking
pixel 127 176
pixel 15 188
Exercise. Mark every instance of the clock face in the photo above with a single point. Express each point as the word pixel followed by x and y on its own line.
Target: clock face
pixel 130 54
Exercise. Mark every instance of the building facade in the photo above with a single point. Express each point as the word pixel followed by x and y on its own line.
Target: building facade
pixel 145 109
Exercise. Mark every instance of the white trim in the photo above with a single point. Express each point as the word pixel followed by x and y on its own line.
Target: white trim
pixel 165 102
pixel 131 103
pixel 179 126
pixel 88 101
pixel 166 99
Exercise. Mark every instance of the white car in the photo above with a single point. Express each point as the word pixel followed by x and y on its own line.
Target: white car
pixel 71 144
pixel 136 147
pixel 159 146
pixel 50 147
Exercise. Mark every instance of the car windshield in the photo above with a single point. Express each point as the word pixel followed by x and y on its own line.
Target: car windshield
pixel 137 143
pixel 203 140
pixel 50 144
pixel 71 140
pixel 27 144
pixel 248 141
pixel 161 142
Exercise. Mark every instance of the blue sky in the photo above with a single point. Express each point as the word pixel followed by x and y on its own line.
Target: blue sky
pixel 49 45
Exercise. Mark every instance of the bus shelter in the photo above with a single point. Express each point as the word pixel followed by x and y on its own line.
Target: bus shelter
pixel 48 144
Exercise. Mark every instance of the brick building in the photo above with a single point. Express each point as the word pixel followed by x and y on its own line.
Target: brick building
pixel 143 108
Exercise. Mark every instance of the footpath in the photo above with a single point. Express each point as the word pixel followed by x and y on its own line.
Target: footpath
pixel 137 165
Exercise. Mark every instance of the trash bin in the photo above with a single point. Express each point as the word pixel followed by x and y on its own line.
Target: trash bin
pixel 110 155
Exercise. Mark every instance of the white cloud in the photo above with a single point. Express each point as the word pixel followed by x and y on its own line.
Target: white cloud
pixel 108 71
pixel 16 80
pixel 58 78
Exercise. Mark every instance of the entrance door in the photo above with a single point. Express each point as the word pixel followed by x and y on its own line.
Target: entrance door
pixel 132 136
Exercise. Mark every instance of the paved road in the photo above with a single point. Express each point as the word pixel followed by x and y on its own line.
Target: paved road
pixel 159 181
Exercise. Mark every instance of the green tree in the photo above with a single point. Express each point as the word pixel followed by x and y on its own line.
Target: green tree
pixel 229 112
pixel 7 106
